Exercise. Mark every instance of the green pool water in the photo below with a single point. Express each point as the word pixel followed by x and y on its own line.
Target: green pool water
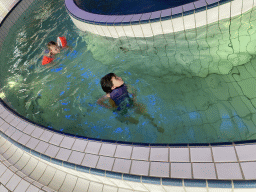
pixel 197 85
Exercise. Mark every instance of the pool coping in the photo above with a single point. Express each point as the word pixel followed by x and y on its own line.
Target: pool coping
pixel 131 19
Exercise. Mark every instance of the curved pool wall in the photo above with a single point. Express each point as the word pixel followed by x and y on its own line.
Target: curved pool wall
pixel 34 158
pixel 184 17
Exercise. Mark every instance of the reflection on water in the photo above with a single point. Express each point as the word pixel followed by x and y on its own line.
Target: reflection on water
pixel 198 85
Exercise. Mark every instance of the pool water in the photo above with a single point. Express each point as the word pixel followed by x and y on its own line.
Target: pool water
pixel 197 85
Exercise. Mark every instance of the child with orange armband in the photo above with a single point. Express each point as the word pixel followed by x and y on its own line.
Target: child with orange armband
pixel 53 49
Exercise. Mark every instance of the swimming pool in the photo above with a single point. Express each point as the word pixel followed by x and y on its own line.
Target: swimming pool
pixel 198 85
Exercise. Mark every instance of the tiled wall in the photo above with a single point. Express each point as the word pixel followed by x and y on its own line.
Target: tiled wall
pixel 36 159
pixel 188 16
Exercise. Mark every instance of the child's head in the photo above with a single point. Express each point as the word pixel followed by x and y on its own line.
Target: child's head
pixel 53 47
pixel 110 81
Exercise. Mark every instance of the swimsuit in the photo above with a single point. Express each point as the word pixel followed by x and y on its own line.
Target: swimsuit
pixel 121 98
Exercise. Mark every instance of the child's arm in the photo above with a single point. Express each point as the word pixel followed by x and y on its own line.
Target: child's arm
pixel 102 100
pixel 132 91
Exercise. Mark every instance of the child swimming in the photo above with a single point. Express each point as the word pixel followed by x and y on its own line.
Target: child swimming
pixel 53 49
pixel 117 92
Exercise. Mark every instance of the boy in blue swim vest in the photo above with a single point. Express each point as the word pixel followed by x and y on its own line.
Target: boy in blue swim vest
pixel 119 99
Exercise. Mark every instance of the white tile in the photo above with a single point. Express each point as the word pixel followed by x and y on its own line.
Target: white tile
pixel 2 141
pixel 146 30
pixel 80 145
pixel 247 5
pixel 22 186
pixel 93 29
pixel 6 177
pixel 172 189
pixel 99 29
pixel 108 188
pixel 22 161
pixel 21 126
pixel 112 31
pixel 120 183
pixel 24 139
pixel 10 152
pixel 56 139
pixel 3 168
pixel 212 15
pixel 137 30
pixel 13 169
pixel 57 180
pixel 47 176
pixel 156 28
pixel 47 189
pixel 38 171
pixel 4 127
pixel 3 189
pixel 13 182
pixel 69 183
pixel 95 187
pixel 81 185
pixel 189 21
pixel 31 165
pixel 104 180
pixel 128 31
pixel 178 24
pixel 124 190
pixel 32 188
pixel 154 188
pixel 196 189
pixel 136 186
pixel 16 156
pixel 15 121
pixel 106 31
pixel 10 131
pixel 120 31
pixel 219 190
pixel 9 118
pixel 46 136
pixel 224 11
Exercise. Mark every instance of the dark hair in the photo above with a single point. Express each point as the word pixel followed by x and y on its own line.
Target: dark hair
pixel 106 83
pixel 51 43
